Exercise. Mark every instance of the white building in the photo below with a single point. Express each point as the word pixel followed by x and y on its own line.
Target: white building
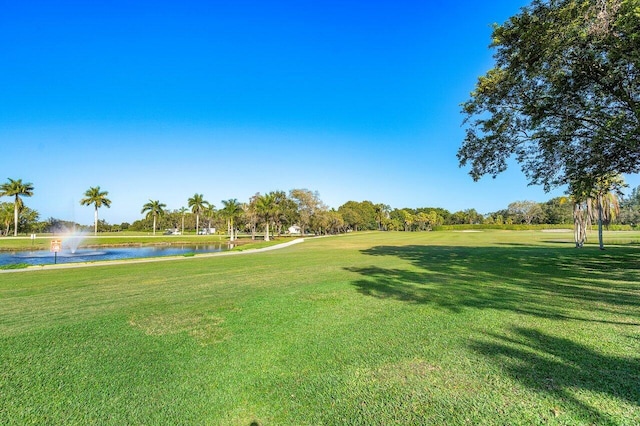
pixel 295 230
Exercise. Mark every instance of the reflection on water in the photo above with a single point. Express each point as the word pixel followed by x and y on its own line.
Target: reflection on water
pixel 40 254
pixel 42 257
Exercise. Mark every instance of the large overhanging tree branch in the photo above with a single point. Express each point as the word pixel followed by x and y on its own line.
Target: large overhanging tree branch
pixel 563 97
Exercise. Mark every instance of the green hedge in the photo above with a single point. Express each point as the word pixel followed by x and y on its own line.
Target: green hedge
pixel 513 227
pixel 524 227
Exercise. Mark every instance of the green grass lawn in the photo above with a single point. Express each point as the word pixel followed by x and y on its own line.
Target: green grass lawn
pixel 495 327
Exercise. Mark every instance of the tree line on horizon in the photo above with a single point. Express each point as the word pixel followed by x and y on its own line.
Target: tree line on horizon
pixel 275 212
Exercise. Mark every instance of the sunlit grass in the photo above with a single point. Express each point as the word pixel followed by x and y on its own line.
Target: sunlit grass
pixel 447 328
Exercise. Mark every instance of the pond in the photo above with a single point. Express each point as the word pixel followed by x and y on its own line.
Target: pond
pixel 45 257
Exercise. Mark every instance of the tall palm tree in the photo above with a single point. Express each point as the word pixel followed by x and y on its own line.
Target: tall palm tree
pixel 98 199
pixel 209 213
pixel 594 198
pixel 155 209
pixel 231 210
pixel 182 211
pixel 197 204
pixel 267 208
pixel 582 212
pixel 606 192
pixel 16 188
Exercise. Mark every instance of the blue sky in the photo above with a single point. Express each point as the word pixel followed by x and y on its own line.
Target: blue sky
pixel 161 100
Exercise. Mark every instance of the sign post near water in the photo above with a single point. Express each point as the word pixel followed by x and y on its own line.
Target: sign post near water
pixel 56 246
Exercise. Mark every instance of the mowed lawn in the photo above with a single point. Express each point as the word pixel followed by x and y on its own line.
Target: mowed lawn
pixel 494 327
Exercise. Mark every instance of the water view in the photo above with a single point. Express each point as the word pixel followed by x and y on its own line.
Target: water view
pixel 44 257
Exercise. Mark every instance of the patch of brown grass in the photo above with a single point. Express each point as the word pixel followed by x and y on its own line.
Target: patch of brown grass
pixel 204 328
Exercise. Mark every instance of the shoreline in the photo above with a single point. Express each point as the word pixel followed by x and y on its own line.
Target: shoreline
pixel 49 267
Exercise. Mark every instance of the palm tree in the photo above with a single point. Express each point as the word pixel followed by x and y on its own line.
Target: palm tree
pixel 231 210
pixel 6 216
pixel 582 212
pixel 594 198
pixel 182 211
pixel 197 204
pixel 267 209
pixel 98 199
pixel 606 192
pixel 15 188
pixel 209 213
pixel 155 209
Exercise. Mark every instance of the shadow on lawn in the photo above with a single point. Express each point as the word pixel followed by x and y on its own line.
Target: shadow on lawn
pixel 556 365
pixel 545 282
pixel 558 283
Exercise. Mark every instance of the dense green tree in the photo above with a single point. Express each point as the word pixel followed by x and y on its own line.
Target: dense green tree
pixel 16 188
pixel 526 211
pixel 141 224
pixel 28 220
pixel 407 219
pixel 359 215
pixel 289 214
pixel 422 221
pixel 320 222
pixel 336 222
pixel 104 226
pixel 436 216
pixel 468 216
pixel 98 198
pixel 444 215
pixel 6 216
pixel 564 95
pixel 352 215
pixel 154 209
pixel 396 219
pixel 630 208
pixel 170 220
pixel 54 225
pixel 308 203
pixel 557 210
pixel 634 197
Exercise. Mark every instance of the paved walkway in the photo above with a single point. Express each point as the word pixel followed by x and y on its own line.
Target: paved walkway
pixel 149 259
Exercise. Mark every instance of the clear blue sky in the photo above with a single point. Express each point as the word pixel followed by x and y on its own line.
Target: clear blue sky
pixel 160 100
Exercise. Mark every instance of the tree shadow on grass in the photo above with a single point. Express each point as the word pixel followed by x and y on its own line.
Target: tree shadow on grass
pixel 547 282
pixel 543 282
pixel 560 367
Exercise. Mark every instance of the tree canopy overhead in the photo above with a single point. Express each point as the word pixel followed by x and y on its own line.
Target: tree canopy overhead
pixel 564 95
